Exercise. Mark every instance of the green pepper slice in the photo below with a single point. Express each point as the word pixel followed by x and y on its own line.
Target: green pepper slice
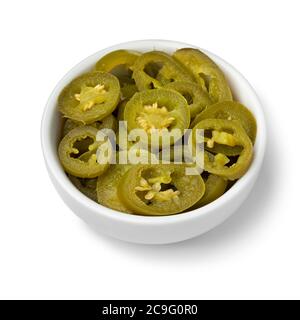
pixel 162 189
pixel 108 122
pixel 107 187
pixel 158 110
pixel 115 59
pixel 228 133
pixel 154 69
pixel 86 186
pixel 215 186
pixel 197 98
pixel 90 97
pixel 77 161
pixel 230 110
pixel 119 63
pixel 207 73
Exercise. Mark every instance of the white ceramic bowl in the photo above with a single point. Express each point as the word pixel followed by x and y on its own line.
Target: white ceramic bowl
pixel 141 229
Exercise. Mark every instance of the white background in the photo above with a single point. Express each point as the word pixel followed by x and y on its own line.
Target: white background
pixel 47 252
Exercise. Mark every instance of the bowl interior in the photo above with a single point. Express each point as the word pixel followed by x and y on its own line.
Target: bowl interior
pixel 52 121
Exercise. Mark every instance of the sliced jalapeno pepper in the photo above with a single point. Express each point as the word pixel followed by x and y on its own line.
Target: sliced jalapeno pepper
pixel 197 98
pixel 230 133
pixel 116 59
pixel 119 63
pixel 107 187
pixel 157 110
pixel 86 186
pixel 162 189
pixel 154 69
pixel 108 122
pixel 207 73
pixel 90 97
pixel 229 110
pixel 81 163
pixel 215 186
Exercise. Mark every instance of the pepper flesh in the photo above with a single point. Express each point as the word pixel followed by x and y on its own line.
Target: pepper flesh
pixel 233 111
pixel 86 165
pixel 206 72
pixel 161 189
pixel 157 109
pixel 215 186
pixel 199 98
pixel 169 70
pixel 230 110
pixel 90 97
pixel 216 164
pixel 107 187
pixel 108 122
pixel 120 63
pixel 116 58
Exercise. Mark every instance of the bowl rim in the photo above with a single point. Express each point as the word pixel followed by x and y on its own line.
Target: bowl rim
pixel 55 169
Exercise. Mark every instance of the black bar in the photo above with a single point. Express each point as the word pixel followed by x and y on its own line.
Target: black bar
pixel 128 309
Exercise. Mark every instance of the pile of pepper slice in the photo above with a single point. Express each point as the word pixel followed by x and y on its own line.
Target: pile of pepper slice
pixel 158 93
